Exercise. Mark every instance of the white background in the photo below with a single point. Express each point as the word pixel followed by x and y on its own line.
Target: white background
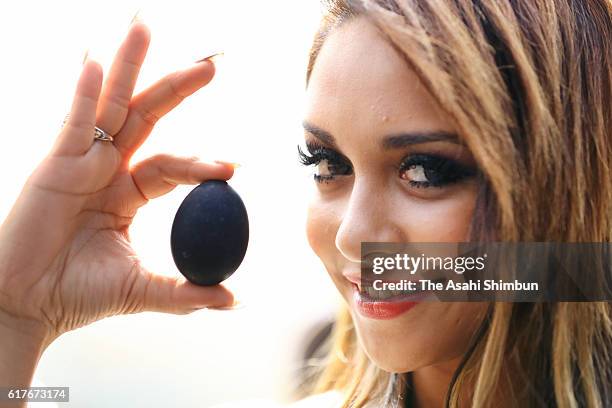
pixel 250 114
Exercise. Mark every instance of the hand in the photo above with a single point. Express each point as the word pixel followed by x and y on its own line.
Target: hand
pixel 65 253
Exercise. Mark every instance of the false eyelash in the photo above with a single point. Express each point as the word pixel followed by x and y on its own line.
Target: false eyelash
pixel 448 170
pixel 307 159
pixel 323 179
pixel 317 153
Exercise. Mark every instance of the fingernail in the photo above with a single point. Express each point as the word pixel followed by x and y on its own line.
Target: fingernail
pixel 237 305
pixel 85 56
pixel 227 163
pixel 214 57
pixel 137 17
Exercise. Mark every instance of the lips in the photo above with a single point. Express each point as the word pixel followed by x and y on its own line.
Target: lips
pixel 361 281
pixel 394 304
pixel 356 279
pixel 385 309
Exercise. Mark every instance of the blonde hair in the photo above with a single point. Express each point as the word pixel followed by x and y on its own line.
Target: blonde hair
pixel 528 85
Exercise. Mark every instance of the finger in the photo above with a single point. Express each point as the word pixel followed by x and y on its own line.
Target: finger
pixel 150 105
pixel 77 135
pixel 121 80
pixel 160 174
pixel 177 295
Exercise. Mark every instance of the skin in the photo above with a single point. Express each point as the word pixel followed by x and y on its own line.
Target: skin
pixel 361 91
pixel 75 210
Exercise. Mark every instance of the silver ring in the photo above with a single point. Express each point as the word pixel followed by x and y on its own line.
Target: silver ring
pixel 99 134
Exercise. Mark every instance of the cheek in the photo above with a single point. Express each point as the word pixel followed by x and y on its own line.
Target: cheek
pixel 321 228
pixel 445 220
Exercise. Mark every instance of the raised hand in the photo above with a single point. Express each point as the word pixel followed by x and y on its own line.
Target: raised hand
pixel 65 254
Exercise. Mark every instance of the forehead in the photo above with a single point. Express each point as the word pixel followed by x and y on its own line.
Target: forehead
pixel 359 77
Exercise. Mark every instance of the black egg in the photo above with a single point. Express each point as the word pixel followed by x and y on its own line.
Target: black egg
pixel 210 233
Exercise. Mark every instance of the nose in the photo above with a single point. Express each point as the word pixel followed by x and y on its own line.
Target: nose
pixel 367 217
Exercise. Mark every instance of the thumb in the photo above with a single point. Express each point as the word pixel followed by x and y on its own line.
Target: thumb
pixel 179 296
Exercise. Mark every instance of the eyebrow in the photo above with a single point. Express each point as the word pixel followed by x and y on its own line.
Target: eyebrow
pixel 319 133
pixel 396 141
pixel 412 138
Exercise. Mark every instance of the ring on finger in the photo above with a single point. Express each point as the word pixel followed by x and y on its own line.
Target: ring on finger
pixel 99 134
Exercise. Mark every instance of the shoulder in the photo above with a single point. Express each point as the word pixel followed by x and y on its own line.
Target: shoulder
pixel 330 399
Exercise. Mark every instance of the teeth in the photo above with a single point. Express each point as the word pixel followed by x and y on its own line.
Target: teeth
pixel 372 292
pixel 383 294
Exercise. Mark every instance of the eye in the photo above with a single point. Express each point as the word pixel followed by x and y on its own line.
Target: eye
pixel 415 173
pixel 323 169
pixel 328 162
pixel 424 171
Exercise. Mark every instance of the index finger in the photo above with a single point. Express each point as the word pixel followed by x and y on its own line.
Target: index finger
pixel 76 136
pixel 153 103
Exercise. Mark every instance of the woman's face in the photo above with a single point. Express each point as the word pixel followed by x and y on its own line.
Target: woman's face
pixel 385 174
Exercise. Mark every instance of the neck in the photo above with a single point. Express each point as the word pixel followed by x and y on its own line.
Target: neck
pixel 430 387
pixel 431 383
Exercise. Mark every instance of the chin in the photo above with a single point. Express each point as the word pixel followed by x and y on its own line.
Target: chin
pixel 390 347
pixel 432 333
pixel 392 366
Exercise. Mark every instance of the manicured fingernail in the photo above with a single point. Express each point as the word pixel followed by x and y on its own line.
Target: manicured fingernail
pixel 85 57
pixel 237 305
pixel 137 17
pixel 227 163
pixel 214 57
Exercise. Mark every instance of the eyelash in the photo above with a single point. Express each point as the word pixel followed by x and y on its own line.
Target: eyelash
pixel 438 170
pixel 318 153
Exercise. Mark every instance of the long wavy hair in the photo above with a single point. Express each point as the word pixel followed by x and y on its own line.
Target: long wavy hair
pixel 528 84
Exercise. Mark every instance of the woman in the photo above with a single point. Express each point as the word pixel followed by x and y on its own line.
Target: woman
pixel 427 122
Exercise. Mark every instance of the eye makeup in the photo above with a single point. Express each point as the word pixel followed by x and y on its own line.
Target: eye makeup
pixel 330 163
pixel 420 170
pixel 430 170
